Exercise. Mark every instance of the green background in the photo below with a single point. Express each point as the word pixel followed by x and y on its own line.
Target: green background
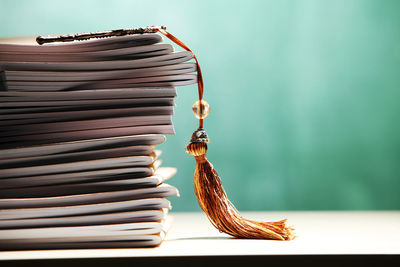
pixel 304 95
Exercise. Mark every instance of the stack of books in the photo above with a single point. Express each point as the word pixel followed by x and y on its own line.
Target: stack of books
pixel 79 125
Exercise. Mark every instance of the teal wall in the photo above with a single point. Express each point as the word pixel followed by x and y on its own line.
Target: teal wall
pixel 304 95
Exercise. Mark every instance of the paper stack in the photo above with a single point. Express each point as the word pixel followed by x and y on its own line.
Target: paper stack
pixel 79 125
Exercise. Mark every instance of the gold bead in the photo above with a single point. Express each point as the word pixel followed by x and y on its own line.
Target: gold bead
pixel 203 112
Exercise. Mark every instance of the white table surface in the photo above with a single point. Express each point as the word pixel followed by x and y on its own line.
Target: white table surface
pixel 318 233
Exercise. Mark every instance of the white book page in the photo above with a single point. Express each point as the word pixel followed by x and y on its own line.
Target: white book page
pixel 98 208
pixel 111 54
pixel 84 145
pixel 98 94
pixel 48 138
pixel 79 177
pixel 82 220
pixel 133 161
pixel 86 188
pixel 84 232
pixel 56 76
pixel 46 117
pixel 169 79
pixel 128 242
pixel 170 59
pixel 77 156
pixel 21 204
pixel 76 103
pixel 80 125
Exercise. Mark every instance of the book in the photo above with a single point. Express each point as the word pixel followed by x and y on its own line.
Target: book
pixel 80 124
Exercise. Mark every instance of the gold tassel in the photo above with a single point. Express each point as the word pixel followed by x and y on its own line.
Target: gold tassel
pixel 220 211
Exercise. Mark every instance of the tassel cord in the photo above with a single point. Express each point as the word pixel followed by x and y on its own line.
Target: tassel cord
pixel 200 83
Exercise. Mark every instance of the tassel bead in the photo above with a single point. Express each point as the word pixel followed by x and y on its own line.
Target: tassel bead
pixel 201 109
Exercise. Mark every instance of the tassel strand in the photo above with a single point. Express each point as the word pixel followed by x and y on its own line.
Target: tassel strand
pixel 220 211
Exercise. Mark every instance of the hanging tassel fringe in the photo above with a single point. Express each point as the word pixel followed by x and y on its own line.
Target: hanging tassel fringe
pixel 220 211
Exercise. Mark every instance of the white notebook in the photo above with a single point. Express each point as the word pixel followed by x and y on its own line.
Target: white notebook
pixel 63 188
pixel 81 220
pixel 107 163
pixel 22 204
pixel 100 55
pixel 84 145
pixel 139 234
pixel 169 59
pixel 98 94
pixel 46 117
pixel 56 76
pixel 50 138
pixel 80 125
pixel 136 173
